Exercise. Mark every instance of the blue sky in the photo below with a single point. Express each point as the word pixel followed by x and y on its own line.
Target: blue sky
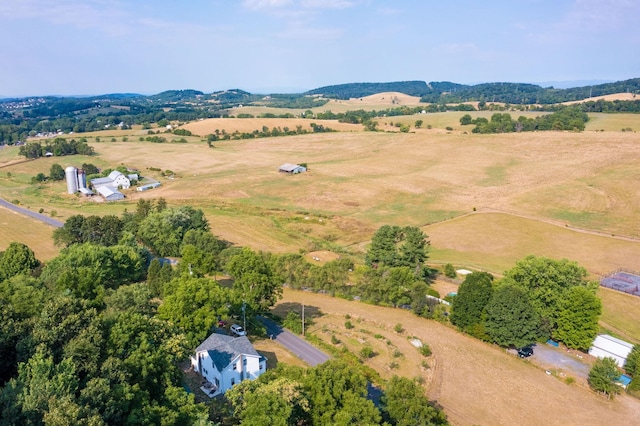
pixel 77 47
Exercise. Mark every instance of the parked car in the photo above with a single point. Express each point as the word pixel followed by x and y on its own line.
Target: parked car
pixel 237 330
pixel 525 352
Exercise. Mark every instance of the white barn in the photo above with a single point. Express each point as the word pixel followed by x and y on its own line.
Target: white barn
pixel 608 346
pixel 225 361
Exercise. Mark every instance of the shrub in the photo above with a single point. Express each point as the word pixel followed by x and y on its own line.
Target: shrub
pixel 348 325
pixel 397 354
pixel 449 271
pixel 425 350
pixel 367 352
pixel 334 339
pixel 394 365
pixel 398 328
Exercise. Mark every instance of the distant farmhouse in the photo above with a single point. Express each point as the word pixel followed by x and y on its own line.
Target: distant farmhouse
pixel 292 169
pixel 223 361
pixel 107 187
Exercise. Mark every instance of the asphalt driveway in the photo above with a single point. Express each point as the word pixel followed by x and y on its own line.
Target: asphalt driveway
pixel 300 347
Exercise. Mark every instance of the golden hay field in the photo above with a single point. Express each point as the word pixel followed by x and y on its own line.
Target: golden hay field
pixel 476 383
pixel 35 234
pixel 249 125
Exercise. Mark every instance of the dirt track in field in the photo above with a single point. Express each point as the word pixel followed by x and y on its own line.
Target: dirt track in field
pixel 477 383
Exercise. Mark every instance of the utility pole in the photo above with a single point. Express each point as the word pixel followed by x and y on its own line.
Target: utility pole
pixel 244 316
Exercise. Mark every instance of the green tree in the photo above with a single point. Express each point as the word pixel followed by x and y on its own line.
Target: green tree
pixel 577 320
pixel 396 246
pixel 603 376
pixel 449 271
pixel 465 119
pixel 194 304
pixel 546 281
pixel 278 402
pixel 254 280
pixel 632 367
pixel 468 308
pixel 405 404
pixel 56 172
pixel 18 258
pixel 511 320
pixel 419 124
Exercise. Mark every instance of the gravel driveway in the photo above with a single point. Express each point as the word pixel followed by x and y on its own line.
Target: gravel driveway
pixel 551 358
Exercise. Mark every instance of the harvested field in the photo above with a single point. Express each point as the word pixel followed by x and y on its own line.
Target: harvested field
pixel 476 383
pixel 496 241
pixel 248 125
pixel 14 226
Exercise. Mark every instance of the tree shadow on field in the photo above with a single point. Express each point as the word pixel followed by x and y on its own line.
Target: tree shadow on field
pixel 282 309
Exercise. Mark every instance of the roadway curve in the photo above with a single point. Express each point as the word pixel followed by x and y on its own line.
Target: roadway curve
pixel 46 219
pixel 301 348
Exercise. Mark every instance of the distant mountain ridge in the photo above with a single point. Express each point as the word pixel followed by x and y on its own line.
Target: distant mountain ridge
pixel 448 92
pixel 432 92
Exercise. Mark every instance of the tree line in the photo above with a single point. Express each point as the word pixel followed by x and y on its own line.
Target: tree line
pixel 567 118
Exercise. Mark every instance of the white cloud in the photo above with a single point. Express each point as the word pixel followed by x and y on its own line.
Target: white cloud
pixel 266 4
pixel 602 15
pixel 107 16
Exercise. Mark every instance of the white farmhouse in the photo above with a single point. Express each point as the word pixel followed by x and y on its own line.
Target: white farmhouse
pixel 226 360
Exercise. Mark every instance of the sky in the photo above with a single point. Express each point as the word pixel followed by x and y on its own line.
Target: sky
pixel 91 47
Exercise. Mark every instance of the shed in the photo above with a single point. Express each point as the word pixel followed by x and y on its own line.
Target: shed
pixel 292 168
pixel 109 193
pixel 608 346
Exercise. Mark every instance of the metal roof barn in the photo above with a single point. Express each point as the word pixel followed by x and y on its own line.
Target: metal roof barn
pixel 608 346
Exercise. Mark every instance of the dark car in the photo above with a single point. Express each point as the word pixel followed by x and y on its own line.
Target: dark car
pixel 525 352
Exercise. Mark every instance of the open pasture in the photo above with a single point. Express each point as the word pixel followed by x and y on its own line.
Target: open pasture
pixel 476 383
pixel 249 125
pixel 358 181
pixel 15 227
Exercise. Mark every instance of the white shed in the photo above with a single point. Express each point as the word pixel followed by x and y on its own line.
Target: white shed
pixel 292 168
pixel 608 346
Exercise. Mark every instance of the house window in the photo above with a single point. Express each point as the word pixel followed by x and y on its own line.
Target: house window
pixel 244 361
pixel 234 365
pixel 233 382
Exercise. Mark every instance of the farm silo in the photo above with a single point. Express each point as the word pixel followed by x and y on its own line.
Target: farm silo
pixel 82 179
pixel 71 175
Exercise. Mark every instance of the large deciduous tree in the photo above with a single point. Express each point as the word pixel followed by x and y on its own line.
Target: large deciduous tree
pixel 577 319
pixel 405 402
pixel 603 376
pixel 511 320
pixel 254 280
pixel 17 259
pixel 546 282
pixel 469 305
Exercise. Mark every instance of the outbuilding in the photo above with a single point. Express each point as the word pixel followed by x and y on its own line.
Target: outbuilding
pixel 109 193
pixel 292 168
pixel 605 346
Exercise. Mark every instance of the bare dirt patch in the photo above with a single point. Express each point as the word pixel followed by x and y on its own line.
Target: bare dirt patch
pixel 475 382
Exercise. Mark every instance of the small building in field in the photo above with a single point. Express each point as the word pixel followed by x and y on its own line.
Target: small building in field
pixel 605 346
pixel 224 361
pixel 109 193
pixel 292 168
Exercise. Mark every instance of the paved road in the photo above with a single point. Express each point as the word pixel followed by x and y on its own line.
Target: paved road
pixel 301 348
pixel 46 219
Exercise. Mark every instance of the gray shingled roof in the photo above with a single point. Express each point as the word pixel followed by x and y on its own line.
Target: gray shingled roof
pixel 223 349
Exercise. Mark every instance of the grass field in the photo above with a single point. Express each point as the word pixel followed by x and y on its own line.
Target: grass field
pixel 531 192
pixel 36 235
pixel 476 383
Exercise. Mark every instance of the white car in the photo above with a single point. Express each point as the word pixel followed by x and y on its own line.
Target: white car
pixel 237 330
